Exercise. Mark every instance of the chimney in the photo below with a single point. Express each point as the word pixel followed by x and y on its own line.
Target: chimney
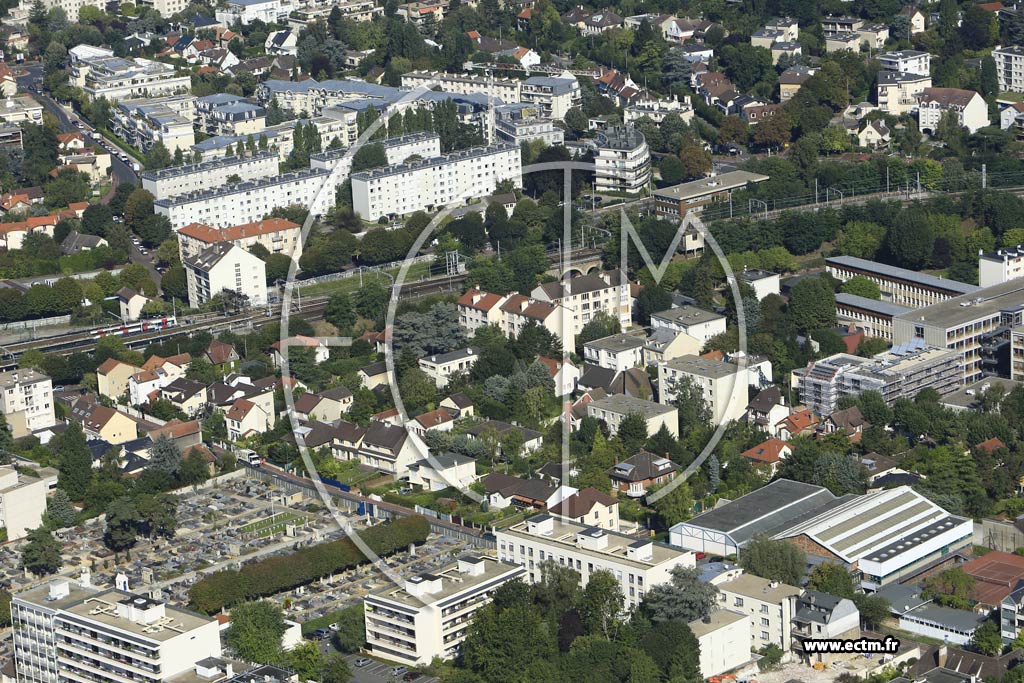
pixel 943 654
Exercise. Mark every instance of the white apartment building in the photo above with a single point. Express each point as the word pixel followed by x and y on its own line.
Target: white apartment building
pixel 178 180
pixel 21 109
pixel 898 285
pixel 396 150
pixel 247 11
pixel 555 95
pixel 724 639
pixel 871 315
pixel 166 8
pixel 249 202
pixel 22 502
pixel 143 123
pixel 623 161
pixel 968 107
pixel 26 400
pixel 657 110
pixel 723 384
pixel 614 408
pixel 586 295
pixel 696 322
pixel 99 73
pixel 907 62
pixel 429 616
pixel 276 235
pixel 505 89
pixel 618 352
pixel 225 266
pixel 1000 266
pixel 897 93
pixel 70 633
pixel 518 131
pixel 1009 67
pixel 478 308
pixel 769 605
pixel 439 181
pixel 442 367
pixel 637 564
pixel 227 114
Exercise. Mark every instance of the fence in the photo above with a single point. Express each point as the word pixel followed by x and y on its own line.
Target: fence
pixel 39 322
pixel 346 274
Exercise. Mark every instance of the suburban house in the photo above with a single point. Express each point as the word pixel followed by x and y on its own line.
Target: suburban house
pixel 442 367
pixel 589 507
pixel 112 378
pixel 441 471
pixel 245 418
pixel 100 422
pixel 635 475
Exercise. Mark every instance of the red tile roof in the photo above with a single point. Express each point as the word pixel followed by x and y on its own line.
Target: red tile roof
pixel 770 451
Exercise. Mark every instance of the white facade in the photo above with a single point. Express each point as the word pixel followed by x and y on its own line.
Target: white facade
pixel 177 180
pixel 969 108
pixel 1009 67
pixel 618 352
pixel 723 384
pixel 505 89
pixel 587 295
pixel 26 400
pixel 897 93
pixel 249 202
pixel 615 408
pixel 442 367
pixel 22 502
pixel 430 615
pixel 101 74
pixel 1001 266
pixel 225 266
pixel 724 639
pixel 439 181
pixel 276 235
pixel 167 120
pixel 637 564
pixel 67 633
pixel 907 62
pixel 768 605
pixel 396 150
pixel 700 324
pixel 623 161
pixel 247 11
pixel 556 95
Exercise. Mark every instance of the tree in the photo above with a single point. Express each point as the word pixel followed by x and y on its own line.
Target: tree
pixel 601 603
pixel 121 532
pixel 696 161
pixel 987 639
pixel 137 208
pixel 873 608
pixel 369 156
pixel 632 432
pixel 651 299
pixel 812 305
pixel 41 553
pixel 833 579
pixel 164 455
pixel 202 370
pixel 694 411
pixel 175 283
pixel 672 170
pixel 371 300
pixel 75 462
pixel 158 157
pixel 60 513
pixel 676 505
pixel 601 325
pixel 683 598
pixel 335 669
pixel 910 241
pixel 306 660
pixel 97 219
pixel 774 559
pixel 255 631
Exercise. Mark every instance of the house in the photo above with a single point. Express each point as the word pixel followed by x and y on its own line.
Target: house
pixel 848 421
pixel 897 93
pixel 187 395
pixel 665 344
pixel 245 418
pixel 969 108
pixel 440 420
pixel 283 42
pixel 477 308
pixel 724 640
pixel 635 475
pixel 768 454
pixel 388 448
pixel 458 404
pixel 532 440
pixel 112 378
pixel 700 324
pixel 614 409
pixel 503 490
pixel 185 434
pixel 320 354
pixel 222 356
pixel 592 23
pixel 101 422
pixel 76 243
pixel 874 134
pixel 443 367
pixel 564 374
pixel 130 303
pixel 327 405
pixel 374 375
pixel 795 424
pixel 820 616
pixel 439 472
pixel 589 507
pixel 916 17
pixel 722 384
pixel 767 409
pixel 618 352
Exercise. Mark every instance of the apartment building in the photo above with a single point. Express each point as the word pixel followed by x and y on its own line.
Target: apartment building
pixel 637 564
pixel 276 235
pixel 831 24
pixel 898 285
pixel 429 615
pixel 618 352
pixel 1000 266
pixel 657 110
pixel 99 73
pixel 768 605
pixel 964 323
pixel 166 8
pixel 871 315
pixel 508 90
pixel 555 95
pixel 478 308
pixel 696 322
pixel 676 201
pixel 901 372
pixel 519 130
pixel 821 616
pixel 22 502
pixel 906 62
pixel 248 11
pixel 250 201
pixel 396 150
pixel 20 109
pixel 443 367
pixel 969 109
pixel 1009 67
pixel 584 296
pixel 68 631
pixel 225 267
pixel 178 180
pixel 426 184
pixel 143 123
pixel 897 93
pixel 26 400
pixel 722 383
pixel 622 162
pixel 615 408
pixel 227 114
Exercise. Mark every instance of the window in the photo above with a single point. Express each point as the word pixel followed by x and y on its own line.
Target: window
pixel 738 602
pixel 764 635
pixel 764 622
pixel 764 609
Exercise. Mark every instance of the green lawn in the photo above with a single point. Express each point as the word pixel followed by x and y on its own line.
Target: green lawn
pixel 274 524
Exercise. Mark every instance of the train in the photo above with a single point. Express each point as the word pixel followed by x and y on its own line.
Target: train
pixel 138 327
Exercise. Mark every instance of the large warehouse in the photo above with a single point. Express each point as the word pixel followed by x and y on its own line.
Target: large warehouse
pixel 887 535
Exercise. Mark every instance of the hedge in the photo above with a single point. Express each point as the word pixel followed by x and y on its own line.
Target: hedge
pixel 285 572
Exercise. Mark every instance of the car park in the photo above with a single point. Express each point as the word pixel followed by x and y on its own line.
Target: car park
pixel 399 670
pixel 361 662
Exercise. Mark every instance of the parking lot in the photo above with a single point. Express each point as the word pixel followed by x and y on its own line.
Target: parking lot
pixel 380 672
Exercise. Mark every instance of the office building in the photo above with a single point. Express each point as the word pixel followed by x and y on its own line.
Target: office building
pixel 900 286
pixel 969 109
pixel 431 183
pixel 637 564
pixel 225 267
pixel 872 316
pixel 907 62
pixel 613 409
pixel 1000 266
pixel 26 401
pixel 429 616
pixel 1009 68
pixel 178 180
pixel 276 235
pixel 965 323
pixel 251 201
pixel 70 633
pixel 622 162
pixel 144 122
pixel 99 73
pixel 897 92
pixel 901 372
pixel 676 201
pixel 584 296
pixel 723 384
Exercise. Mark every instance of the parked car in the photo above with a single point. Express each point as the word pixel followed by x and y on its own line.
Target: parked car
pixel 399 670
pixel 360 662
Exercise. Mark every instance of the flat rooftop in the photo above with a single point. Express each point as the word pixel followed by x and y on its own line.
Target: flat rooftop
pixel 978 304
pixel 452 581
pixel 687 315
pixel 884 270
pixel 620 403
pixel 703 367
pixel 967 397
pixel 699 188
pixel 863 303
pixel 624 341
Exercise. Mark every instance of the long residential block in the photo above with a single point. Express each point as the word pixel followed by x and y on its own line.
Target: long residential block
pixel 899 286
pixel 179 180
